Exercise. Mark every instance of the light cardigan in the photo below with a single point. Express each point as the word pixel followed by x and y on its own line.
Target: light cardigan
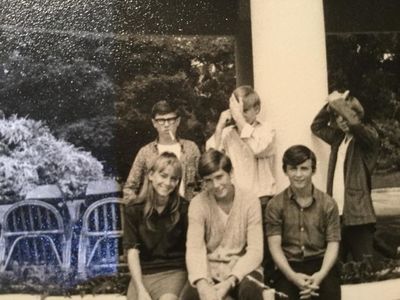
pixel 215 251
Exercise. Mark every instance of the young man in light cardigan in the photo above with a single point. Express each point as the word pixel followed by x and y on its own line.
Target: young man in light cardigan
pixel 224 248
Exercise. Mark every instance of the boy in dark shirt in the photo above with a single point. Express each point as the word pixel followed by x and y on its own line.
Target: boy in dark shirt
pixel 303 231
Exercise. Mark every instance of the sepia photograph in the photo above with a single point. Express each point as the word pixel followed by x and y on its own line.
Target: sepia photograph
pixel 210 149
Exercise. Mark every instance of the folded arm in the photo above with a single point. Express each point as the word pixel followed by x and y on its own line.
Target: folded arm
pixel 321 126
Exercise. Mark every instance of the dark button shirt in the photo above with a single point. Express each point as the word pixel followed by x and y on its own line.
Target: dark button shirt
pixel 160 249
pixel 305 231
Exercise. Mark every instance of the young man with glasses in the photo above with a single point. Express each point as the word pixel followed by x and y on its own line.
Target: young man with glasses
pixel 165 119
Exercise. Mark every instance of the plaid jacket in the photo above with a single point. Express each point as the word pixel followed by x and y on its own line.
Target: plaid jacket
pixel 190 155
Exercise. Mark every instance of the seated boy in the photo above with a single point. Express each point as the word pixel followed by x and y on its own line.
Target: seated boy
pixel 165 118
pixel 248 143
pixel 303 230
pixel 224 239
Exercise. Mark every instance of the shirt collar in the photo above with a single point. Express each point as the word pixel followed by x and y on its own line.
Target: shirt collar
pixel 155 144
pixel 166 211
pixel 292 196
pixel 255 124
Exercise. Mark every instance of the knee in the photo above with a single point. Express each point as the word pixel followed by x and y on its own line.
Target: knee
pixel 168 297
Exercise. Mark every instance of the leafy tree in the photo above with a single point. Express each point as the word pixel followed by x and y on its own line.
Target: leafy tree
pixel 369 66
pixel 31 156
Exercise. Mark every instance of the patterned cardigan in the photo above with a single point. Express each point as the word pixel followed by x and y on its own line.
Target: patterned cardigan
pixel 190 155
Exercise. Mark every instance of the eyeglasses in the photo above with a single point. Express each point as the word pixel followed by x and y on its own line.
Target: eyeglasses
pixel 169 121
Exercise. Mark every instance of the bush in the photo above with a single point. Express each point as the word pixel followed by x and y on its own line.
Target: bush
pixel 31 156
pixel 389 130
pixel 368 65
pixel 96 91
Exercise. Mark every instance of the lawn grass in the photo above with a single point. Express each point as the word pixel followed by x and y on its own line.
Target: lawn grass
pixel 388 228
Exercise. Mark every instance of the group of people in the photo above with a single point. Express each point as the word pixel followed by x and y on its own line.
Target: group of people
pixel 217 240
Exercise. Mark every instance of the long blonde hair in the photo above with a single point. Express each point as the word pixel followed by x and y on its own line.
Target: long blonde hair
pixel 148 195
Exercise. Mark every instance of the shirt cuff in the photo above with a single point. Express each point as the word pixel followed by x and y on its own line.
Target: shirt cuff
pixel 194 279
pixel 237 274
pixel 247 131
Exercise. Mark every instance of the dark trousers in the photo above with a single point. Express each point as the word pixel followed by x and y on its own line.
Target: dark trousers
pixel 329 288
pixel 245 290
pixel 357 241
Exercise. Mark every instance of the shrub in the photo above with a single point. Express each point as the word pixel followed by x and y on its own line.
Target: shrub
pixel 389 131
pixel 31 156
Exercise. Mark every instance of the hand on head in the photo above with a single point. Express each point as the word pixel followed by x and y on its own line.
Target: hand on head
pixel 337 96
pixel 224 119
pixel 235 106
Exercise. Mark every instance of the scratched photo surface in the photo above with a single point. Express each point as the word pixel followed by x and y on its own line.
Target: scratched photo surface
pixel 78 79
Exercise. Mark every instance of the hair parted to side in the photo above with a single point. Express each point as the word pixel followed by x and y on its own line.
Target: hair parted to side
pixel 148 195
pixel 296 155
pixel 164 107
pixel 211 161
pixel 249 96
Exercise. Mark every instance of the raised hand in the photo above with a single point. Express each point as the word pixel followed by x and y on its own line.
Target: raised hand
pixel 337 96
pixel 224 119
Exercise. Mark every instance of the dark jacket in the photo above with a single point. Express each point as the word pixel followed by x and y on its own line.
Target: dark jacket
pixel 361 157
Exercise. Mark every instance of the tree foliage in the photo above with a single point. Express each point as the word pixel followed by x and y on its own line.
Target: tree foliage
pixel 369 66
pixel 96 91
pixel 31 156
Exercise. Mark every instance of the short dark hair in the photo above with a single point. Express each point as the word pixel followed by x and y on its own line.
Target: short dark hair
pixel 164 107
pixel 296 155
pixel 211 161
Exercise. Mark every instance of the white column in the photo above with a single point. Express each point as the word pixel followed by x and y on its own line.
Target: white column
pixel 290 74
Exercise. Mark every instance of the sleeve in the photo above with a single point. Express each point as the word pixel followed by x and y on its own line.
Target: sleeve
pixel 321 128
pixel 333 222
pixel 210 143
pixel 273 218
pixel 130 231
pixel 367 137
pixel 196 251
pixel 260 139
pixel 135 177
pixel 365 134
pixel 253 257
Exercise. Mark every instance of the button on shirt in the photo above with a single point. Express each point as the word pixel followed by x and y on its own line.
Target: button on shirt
pixel 305 231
